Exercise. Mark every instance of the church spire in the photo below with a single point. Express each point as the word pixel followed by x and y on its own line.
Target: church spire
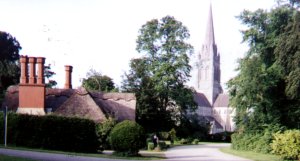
pixel 210 36
pixel 209 72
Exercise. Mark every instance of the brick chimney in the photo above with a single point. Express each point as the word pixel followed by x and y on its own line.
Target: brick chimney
pixel 68 84
pixel 32 87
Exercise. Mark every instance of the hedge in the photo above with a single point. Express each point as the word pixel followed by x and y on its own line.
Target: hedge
pixel 51 132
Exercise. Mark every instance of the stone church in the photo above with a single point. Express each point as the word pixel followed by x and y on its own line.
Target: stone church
pixel 213 104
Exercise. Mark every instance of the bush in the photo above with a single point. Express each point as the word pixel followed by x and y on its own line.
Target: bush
pixel 162 145
pixel 196 141
pixel 172 134
pixel 257 142
pixel 163 135
pixel 150 146
pixel 103 129
pixel 183 141
pixel 52 132
pixel 127 137
pixel 287 144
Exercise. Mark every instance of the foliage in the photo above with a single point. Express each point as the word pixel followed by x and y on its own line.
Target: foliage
pixel 9 56
pixel 51 132
pixel 220 137
pixel 103 129
pixel 256 141
pixel 162 145
pixel 163 135
pixel 193 126
pixel 127 137
pixel 264 91
pixel 48 74
pixel 158 77
pixel 287 144
pixel 150 146
pixel 196 141
pixel 95 81
pixel 172 134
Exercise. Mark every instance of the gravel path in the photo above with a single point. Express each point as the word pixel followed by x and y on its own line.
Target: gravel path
pixel 206 152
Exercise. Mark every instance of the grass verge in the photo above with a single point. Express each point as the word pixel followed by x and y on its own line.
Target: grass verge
pixel 144 155
pixel 251 155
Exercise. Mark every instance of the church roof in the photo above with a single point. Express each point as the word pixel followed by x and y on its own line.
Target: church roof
pixel 201 100
pixel 79 102
pixel 222 101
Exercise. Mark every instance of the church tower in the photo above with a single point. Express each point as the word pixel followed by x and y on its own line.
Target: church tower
pixel 208 65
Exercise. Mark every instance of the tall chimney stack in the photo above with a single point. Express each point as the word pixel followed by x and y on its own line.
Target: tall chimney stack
pixel 32 87
pixel 68 84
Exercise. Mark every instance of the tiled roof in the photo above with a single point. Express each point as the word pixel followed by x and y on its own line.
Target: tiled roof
pixel 201 100
pixel 222 101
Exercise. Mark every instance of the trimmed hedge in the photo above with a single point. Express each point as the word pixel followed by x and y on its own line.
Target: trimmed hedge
pixel 51 132
pixel 252 142
pixel 127 137
pixel 287 144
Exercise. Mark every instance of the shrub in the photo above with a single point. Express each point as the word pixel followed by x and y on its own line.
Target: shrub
pixel 150 146
pixel 163 135
pixel 172 134
pixel 287 144
pixel 127 137
pixel 162 145
pixel 183 141
pixel 196 141
pixel 103 129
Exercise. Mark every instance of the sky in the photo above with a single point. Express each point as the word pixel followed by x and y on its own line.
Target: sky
pixel 101 34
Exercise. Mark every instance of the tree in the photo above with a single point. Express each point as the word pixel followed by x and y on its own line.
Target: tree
pixel 9 56
pixel 158 77
pixel 97 82
pixel 48 74
pixel 260 92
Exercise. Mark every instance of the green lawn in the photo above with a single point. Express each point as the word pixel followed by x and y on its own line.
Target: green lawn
pixel 10 158
pixel 251 155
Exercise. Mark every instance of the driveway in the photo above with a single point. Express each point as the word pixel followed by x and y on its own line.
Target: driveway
pixel 207 152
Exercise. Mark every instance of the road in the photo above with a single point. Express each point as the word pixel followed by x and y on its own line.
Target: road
pixel 205 152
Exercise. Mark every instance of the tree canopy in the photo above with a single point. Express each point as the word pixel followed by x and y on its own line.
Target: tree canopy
pixel 95 81
pixel 266 90
pixel 9 56
pixel 158 77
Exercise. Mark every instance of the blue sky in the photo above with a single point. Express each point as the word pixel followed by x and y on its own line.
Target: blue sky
pixel 101 34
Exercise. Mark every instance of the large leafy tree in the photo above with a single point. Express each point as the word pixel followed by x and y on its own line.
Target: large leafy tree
pixel 95 81
pixel 158 77
pixel 261 92
pixel 9 56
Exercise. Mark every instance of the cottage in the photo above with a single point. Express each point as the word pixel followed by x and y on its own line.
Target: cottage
pixel 32 97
